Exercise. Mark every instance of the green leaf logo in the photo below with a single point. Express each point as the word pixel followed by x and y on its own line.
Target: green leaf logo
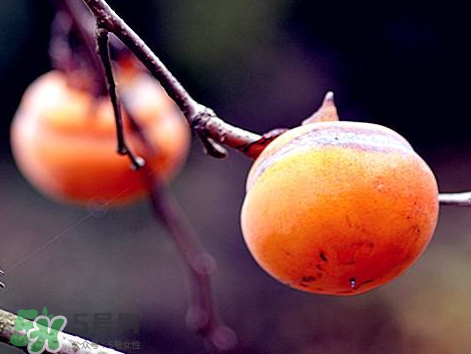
pixel 45 313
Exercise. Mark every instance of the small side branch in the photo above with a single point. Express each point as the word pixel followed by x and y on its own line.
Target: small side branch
pixel 202 315
pixel 103 51
pixel 70 344
pixel 457 199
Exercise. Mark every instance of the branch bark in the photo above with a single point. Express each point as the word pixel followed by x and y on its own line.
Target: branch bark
pixel 70 343
pixel 212 130
pixel 202 316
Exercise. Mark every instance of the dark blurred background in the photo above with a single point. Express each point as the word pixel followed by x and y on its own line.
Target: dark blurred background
pixel 260 64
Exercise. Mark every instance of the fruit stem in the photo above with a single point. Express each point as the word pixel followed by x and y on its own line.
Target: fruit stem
pixel 326 113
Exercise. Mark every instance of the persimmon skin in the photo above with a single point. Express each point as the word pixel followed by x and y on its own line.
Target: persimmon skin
pixel 339 208
pixel 64 140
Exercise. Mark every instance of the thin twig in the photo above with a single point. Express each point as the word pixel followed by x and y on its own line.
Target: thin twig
pixel 201 316
pixel 213 131
pixel 70 344
pixel 103 51
pixel 457 199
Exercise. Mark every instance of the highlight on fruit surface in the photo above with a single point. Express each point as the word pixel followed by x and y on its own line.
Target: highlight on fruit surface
pixel 338 207
pixel 64 139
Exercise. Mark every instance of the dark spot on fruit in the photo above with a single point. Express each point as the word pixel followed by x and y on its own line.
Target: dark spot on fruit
pixel 323 256
pixel 308 279
pixel 304 285
pixel 319 275
pixel 318 266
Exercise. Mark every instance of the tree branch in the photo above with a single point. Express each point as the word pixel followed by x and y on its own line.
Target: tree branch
pixel 202 315
pixel 211 129
pixel 457 199
pixel 70 344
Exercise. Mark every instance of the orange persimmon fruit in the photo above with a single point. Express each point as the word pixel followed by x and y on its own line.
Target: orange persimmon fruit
pixel 64 139
pixel 338 208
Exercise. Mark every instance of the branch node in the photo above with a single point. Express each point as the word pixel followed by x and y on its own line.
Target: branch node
pixel 204 263
pixel 196 318
pixel 199 124
pixel 224 338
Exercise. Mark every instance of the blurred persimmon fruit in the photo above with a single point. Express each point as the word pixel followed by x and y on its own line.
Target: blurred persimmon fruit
pixel 64 139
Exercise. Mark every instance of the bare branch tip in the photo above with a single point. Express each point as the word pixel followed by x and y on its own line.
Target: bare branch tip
pixel 329 98
pixel 326 113
pixel 137 163
pixel 457 199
